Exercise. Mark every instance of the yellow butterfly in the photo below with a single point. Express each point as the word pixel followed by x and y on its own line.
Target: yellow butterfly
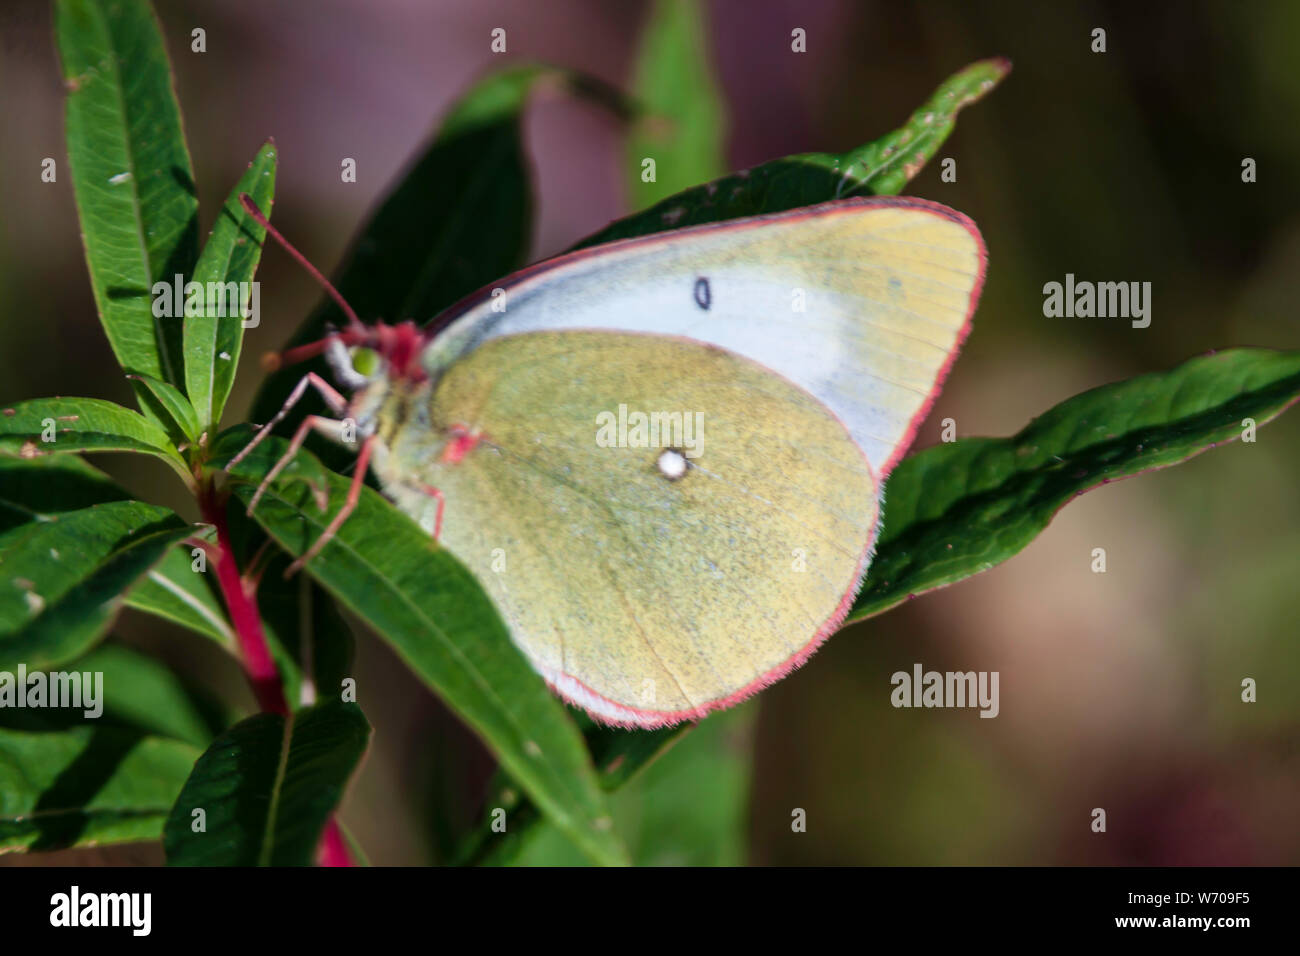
pixel 663 458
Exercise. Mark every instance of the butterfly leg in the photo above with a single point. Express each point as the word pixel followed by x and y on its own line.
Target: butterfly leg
pixel 435 493
pixel 354 495
pixel 333 398
pixel 326 426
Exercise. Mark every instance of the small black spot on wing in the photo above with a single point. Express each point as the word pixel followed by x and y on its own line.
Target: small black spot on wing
pixel 703 293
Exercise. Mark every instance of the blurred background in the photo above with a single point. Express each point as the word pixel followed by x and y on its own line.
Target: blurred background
pixel 1118 690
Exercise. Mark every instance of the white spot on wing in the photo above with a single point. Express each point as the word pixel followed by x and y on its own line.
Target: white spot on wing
pixel 671 464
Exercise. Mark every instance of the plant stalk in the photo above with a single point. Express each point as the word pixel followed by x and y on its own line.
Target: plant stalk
pixel 254 650
pixel 255 653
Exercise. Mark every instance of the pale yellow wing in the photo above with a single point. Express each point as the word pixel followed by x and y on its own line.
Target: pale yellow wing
pixel 644 597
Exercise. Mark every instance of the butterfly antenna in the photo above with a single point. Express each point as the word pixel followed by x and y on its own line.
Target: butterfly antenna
pixel 355 325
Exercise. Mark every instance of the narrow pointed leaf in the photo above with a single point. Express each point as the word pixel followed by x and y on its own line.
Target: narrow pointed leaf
pixel 313 645
pixel 688 809
pixel 131 173
pixel 90 786
pixel 142 692
pixel 49 426
pixel 957 509
pixel 37 489
pixel 63 579
pixel 881 168
pixel 683 127
pixel 175 405
pixel 174 590
pixel 417 597
pixel 126 689
pixel 266 789
pixel 212 342
pixel 619 756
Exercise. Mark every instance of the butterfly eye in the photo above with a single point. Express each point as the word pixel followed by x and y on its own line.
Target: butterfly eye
pixel 365 361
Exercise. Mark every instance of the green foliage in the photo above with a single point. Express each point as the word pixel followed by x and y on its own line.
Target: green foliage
pixel 88 786
pixel 181 420
pixel 52 426
pixel 175 591
pixel 960 508
pixel 265 789
pixel 882 167
pixel 142 693
pixel 131 174
pixel 65 576
pixel 682 129
pixel 212 342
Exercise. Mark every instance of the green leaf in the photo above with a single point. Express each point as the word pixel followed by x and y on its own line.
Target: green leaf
pixel 881 168
pixel 82 424
pixel 129 690
pixel 688 809
pixel 684 129
pixel 212 343
pixel 174 403
pixel 175 591
pixel 63 578
pixel 457 219
pixel 960 508
pixel 87 787
pixel 311 641
pixel 36 489
pixel 619 756
pixel 267 787
pixel 131 173
pixel 430 609
pixel 145 694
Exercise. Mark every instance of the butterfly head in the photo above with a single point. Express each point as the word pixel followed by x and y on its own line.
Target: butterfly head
pixel 360 354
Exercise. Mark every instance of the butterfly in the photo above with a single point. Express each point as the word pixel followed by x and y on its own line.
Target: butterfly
pixel 663 458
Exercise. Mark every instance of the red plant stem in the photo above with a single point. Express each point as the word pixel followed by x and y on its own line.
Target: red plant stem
pixel 253 648
pixel 256 654
pixel 333 849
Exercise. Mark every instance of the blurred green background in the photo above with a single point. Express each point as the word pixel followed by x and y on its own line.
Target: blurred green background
pixel 1118 690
